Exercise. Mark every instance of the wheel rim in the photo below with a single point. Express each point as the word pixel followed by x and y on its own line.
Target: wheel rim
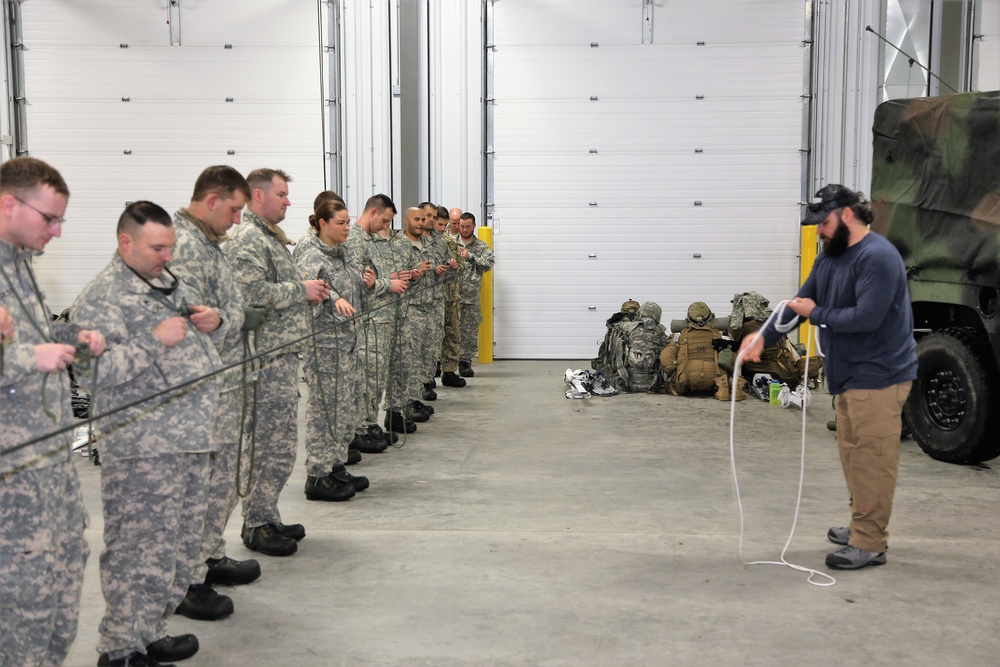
pixel 945 398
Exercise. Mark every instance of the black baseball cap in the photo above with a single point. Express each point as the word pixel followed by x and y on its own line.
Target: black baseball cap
pixel 829 199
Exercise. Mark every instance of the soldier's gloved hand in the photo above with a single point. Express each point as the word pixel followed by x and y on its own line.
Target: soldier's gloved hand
pixel 254 316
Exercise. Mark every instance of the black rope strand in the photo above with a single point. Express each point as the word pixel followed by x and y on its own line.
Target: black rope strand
pixel 196 380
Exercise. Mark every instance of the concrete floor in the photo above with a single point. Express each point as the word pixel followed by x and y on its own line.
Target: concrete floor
pixel 521 528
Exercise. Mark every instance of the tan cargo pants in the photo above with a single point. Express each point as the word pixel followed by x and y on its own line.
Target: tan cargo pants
pixel 868 428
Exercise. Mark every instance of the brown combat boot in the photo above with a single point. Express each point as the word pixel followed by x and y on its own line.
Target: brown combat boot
pixel 722 384
pixel 741 388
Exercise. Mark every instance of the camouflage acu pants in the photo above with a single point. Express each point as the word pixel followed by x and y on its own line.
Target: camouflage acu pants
pixel 376 344
pixel 222 479
pixel 154 514
pixel 399 366
pixel 437 338
pixel 336 387
pixel 422 347
pixel 472 317
pixel 451 345
pixel 277 436
pixel 41 576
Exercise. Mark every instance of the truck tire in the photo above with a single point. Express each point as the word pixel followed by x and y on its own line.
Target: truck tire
pixel 951 410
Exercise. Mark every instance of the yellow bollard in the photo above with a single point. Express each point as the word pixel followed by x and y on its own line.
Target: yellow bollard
pixel 486 304
pixel 807 258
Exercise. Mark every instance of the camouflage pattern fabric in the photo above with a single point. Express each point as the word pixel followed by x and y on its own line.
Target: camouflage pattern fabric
pixel 747 306
pixel 333 362
pixel 471 318
pixel 154 456
pixel 40 580
pixel 441 254
pixel 405 373
pixel 42 548
pixel 198 260
pixel 136 365
pixel 267 276
pixel 933 197
pixel 380 338
pixel 277 436
pixel 146 566
pixel 451 344
pixel 480 261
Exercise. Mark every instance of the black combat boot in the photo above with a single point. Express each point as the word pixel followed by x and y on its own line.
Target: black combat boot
pixel 353 457
pixel 429 394
pixel 429 409
pixel 341 476
pixel 269 540
pixel 228 571
pixel 180 647
pixel 202 603
pixel 465 369
pixel 327 489
pixel 452 379
pixel 367 445
pixel 415 414
pixel 437 373
pixel 395 422
pixel 375 432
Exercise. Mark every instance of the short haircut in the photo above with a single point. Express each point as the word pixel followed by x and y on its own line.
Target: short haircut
pixel 442 212
pixel 260 179
pixel 426 204
pixel 220 180
pixel 380 203
pixel 468 216
pixel 325 211
pixel 20 174
pixel 325 196
pixel 138 213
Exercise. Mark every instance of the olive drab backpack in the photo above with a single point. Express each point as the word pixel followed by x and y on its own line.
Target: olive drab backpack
pixel 629 357
pixel 780 359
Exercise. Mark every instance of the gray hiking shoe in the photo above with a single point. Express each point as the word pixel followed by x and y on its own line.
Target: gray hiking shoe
pixel 839 534
pixel 853 558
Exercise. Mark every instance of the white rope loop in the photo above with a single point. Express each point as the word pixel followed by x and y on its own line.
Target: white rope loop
pixel 776 317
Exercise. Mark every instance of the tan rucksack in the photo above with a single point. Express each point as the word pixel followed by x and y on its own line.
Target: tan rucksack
pixel 692 360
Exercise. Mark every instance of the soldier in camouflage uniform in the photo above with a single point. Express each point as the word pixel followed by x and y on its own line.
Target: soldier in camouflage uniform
pixel 42 547
pixel 268 277
pixel 380 337
pixel 451 344
pixel 155 455
pixel 445 273
pixel 216 205
pixel 479 260
pixel 332 360
pixel 406 379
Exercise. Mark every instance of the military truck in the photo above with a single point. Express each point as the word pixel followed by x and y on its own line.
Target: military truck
pixel 936 197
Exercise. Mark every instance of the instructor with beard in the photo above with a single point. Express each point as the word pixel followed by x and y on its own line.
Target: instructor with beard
pixel 856 294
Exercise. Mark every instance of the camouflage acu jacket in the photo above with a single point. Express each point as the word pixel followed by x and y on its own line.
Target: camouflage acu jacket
pixel 267 276
pixel 21 385
pixel 372 250
pixel 410 255
pixel 336 266
pixel 200 263
pixel 480 261
pixel 137 365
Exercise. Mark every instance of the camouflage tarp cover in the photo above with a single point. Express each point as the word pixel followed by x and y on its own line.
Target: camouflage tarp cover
pixel 933 197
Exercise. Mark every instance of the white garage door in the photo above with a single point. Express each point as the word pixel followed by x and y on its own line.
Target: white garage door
pixel 667 171
pixel 125 116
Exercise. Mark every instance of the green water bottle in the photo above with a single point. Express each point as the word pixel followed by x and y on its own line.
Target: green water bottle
pixel 773 391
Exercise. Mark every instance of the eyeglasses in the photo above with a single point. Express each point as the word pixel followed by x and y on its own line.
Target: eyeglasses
pixel 50 220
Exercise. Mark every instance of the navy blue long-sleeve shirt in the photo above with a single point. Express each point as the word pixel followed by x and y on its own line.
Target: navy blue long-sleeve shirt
pixel 864 314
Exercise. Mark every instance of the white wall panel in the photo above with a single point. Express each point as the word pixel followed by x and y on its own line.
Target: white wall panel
pixel 988 48
pixel 177 119
pixel 679 182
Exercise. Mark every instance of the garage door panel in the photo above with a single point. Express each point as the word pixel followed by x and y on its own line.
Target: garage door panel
pixel 645 192
pixel 565 22
pixel 610 73
pixel 176 121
